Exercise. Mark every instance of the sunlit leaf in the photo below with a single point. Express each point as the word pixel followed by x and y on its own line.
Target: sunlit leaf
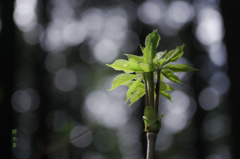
pixel 140 85
pixel 145 51
pixel 133 88
pixel 122 79
pixel 137 58
pixel 119 65
pixel 180 68
pixel 151 43
pixel 160 54
pixel 136 96
pixel 153 38
pixel 169 75
pixel 133 65
pixel 147 67
pixel 160 62
pixel 174 55
pixel 126 66
pixel 165 87
pixel 168 96
pixel 129 83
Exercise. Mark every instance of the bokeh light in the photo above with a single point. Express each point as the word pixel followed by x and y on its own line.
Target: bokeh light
pixel 93 19
pixel 24 14
pixel 98 106
pixel 83 140
pixel 25 100
pixel 65 80
pixel 210 28
pixel 150 12
pixel 215 125
pixel 209 98
pixel 74 33
pixel 220 81
pixel 179 13
pixel 164 140
pixel 105 51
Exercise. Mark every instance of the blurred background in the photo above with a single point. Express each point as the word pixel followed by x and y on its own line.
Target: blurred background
pixel 54 80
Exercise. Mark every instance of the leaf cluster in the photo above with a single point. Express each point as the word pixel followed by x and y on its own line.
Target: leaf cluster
pixel 137 66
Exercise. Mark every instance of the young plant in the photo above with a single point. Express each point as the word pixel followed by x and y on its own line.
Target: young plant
pixel 139 74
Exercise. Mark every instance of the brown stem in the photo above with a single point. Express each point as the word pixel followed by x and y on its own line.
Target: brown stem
pixel 151 89
pixel 146 90
pixel 157 90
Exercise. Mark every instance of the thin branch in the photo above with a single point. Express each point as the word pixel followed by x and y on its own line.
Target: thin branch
pixel 157 89
pixel 65 142
pixel 151 89
pixel 146 90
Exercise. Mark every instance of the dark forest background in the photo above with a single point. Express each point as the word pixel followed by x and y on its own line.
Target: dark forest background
pixel 54 80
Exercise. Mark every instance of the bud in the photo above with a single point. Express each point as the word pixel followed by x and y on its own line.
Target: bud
pixel 151 120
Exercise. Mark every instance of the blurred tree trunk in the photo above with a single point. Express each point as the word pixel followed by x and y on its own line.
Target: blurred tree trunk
pixel 231 13
pixel 7 61
pixel 43 86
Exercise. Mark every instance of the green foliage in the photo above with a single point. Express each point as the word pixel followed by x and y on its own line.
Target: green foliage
pixel 169 74
pixel 137 95
pixel 165 94
pixel 173 55
pixel 149 62
pixel 122 79
pixel 180 68
pixel 133 88
pixel 137 58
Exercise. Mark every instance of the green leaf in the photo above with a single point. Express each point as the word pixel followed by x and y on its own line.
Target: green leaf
pixel 126 66
pixel 180 68
pixel 122 79
pixel 168 96
pixel 153 38
pixel 174 55
pixel 169 75
pixel 133 65
pixel 119 65
pixel 151 43
pixel 137 95
pixel 145 51
pixel 161 77
pixel 129 83
pixel 133 88
pixel 140 86
pixel 160 62
pixel 137 58
pixel 160 54
pixel 147 67
pixel 165 87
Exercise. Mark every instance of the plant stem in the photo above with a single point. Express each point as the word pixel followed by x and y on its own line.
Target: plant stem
pixel 151 89
pixel 151 140
pixel 146 90
pixel 157 89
